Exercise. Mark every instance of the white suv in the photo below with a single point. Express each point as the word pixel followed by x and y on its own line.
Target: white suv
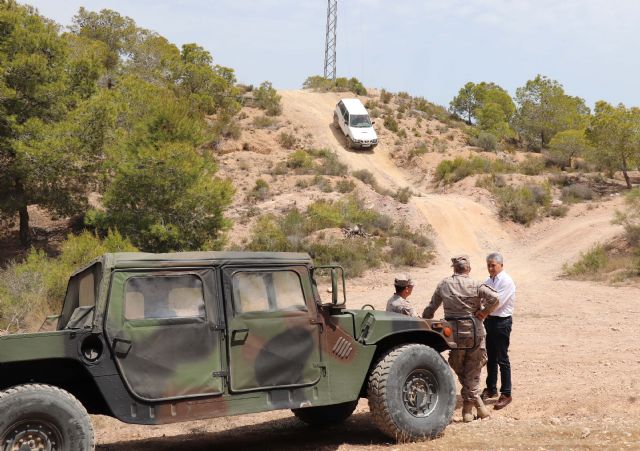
pixel 352 118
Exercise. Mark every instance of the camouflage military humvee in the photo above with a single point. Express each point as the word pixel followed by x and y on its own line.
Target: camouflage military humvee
pixel 161 338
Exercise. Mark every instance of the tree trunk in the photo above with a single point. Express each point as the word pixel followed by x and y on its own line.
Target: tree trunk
pixel 624 172
pixel 25 236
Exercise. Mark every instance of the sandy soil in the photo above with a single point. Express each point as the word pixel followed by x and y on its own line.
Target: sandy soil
pixel 575 345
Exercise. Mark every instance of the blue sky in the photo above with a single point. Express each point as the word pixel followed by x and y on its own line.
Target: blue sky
pixel 425 47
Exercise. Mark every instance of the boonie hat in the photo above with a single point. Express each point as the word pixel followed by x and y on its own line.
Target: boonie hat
pixel 460 259
pixel 404 280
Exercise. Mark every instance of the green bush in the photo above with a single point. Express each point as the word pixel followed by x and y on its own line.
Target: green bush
pixel 268 99
pixel 260 191
pixel 590 262
pixel 366 177
pixel 341 84
pixel 287 140
pixel 36 287
pixel 345 186
pixel 403 195
pixel 531 165
pixel 331 165
pixel 558 211
pixel 300 160
pixel 630 217
pixel 354 255
pixel 323 184
pixel 484 140
pixel 390 123
pixel 577 193
pixel 451 171
pixel 522 204
pixel 403 252
pixel 385 96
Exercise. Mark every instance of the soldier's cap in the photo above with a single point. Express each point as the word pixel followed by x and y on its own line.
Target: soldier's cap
pixel 404 280
pixel 460 259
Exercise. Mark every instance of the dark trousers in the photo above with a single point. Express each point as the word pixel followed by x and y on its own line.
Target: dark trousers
pixel 498 333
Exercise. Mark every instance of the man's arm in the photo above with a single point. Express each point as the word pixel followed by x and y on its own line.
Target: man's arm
pixel 436 301
pixel 489 300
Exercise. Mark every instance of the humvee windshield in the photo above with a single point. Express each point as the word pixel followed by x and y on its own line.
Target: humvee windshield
pixel 80 299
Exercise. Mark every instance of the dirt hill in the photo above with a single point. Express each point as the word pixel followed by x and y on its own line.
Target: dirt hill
pixel 575 345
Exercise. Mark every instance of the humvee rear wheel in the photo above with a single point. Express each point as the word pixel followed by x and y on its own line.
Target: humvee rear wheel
pixel 412 393
pixel 43 417
pixel 326 415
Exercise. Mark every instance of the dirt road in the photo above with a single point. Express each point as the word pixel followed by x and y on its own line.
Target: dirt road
pixel 575 346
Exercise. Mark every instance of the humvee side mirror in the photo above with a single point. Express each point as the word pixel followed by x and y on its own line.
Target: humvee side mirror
pixel 334 286
pixel 338 283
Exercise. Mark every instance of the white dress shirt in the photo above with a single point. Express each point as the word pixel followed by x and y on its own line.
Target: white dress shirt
pixel 503 284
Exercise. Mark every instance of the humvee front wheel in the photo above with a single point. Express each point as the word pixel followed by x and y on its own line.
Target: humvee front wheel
pixel 43 417
pixel 412 393
pixel 326 415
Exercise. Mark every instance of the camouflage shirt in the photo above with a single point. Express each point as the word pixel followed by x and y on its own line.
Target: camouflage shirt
pixel 461 296
pixel 398 304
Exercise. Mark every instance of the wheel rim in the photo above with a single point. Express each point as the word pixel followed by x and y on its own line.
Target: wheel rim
pixel 32 435
pixel 420 393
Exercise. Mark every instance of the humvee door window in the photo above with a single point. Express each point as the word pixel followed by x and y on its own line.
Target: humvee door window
pixel 158 297
pixel 267 291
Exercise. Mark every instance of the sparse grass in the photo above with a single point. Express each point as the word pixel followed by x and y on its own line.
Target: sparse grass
pixel 418 150
pixel 486 141
pixel 287 140
pixel 265 122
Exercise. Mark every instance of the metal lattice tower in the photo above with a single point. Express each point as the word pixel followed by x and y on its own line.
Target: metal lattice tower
pixel 330 40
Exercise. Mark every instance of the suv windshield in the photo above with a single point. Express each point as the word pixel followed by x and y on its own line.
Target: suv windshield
pixel 359 120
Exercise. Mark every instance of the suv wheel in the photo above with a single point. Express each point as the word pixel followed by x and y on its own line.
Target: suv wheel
pixel 412 393
pixel 336 124
pixel 37 416
pixel 325 415
pixel 349 143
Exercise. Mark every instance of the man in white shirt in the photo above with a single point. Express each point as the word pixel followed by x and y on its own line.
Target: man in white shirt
pixel 498 327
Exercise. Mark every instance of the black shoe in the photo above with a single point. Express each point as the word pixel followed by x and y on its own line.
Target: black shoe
pixel 488 394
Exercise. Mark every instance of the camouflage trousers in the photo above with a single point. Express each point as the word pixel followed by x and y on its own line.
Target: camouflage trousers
pixel 467 364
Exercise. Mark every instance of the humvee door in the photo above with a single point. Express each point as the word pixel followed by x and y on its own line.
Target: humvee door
pixel 164 328
pixel 273 332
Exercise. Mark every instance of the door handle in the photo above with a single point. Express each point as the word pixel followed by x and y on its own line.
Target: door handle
pixel 121 346
pixel 239 341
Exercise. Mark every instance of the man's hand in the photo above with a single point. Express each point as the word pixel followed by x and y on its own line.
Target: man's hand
pixel 481 315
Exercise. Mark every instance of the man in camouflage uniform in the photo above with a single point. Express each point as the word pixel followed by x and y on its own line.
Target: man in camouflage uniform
pixel 398 303
pixel 466 303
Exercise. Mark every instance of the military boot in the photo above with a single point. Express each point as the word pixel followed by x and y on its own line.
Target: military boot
pixel 483 412
pixel 467 411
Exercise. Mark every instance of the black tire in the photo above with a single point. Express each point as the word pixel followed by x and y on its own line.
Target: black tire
pixel 326 415
pixel 46 416
pixel 349 143
pixel 395 384
pixel 335 121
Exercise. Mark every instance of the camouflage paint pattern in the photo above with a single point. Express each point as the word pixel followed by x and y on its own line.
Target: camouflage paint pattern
pixel 223 362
